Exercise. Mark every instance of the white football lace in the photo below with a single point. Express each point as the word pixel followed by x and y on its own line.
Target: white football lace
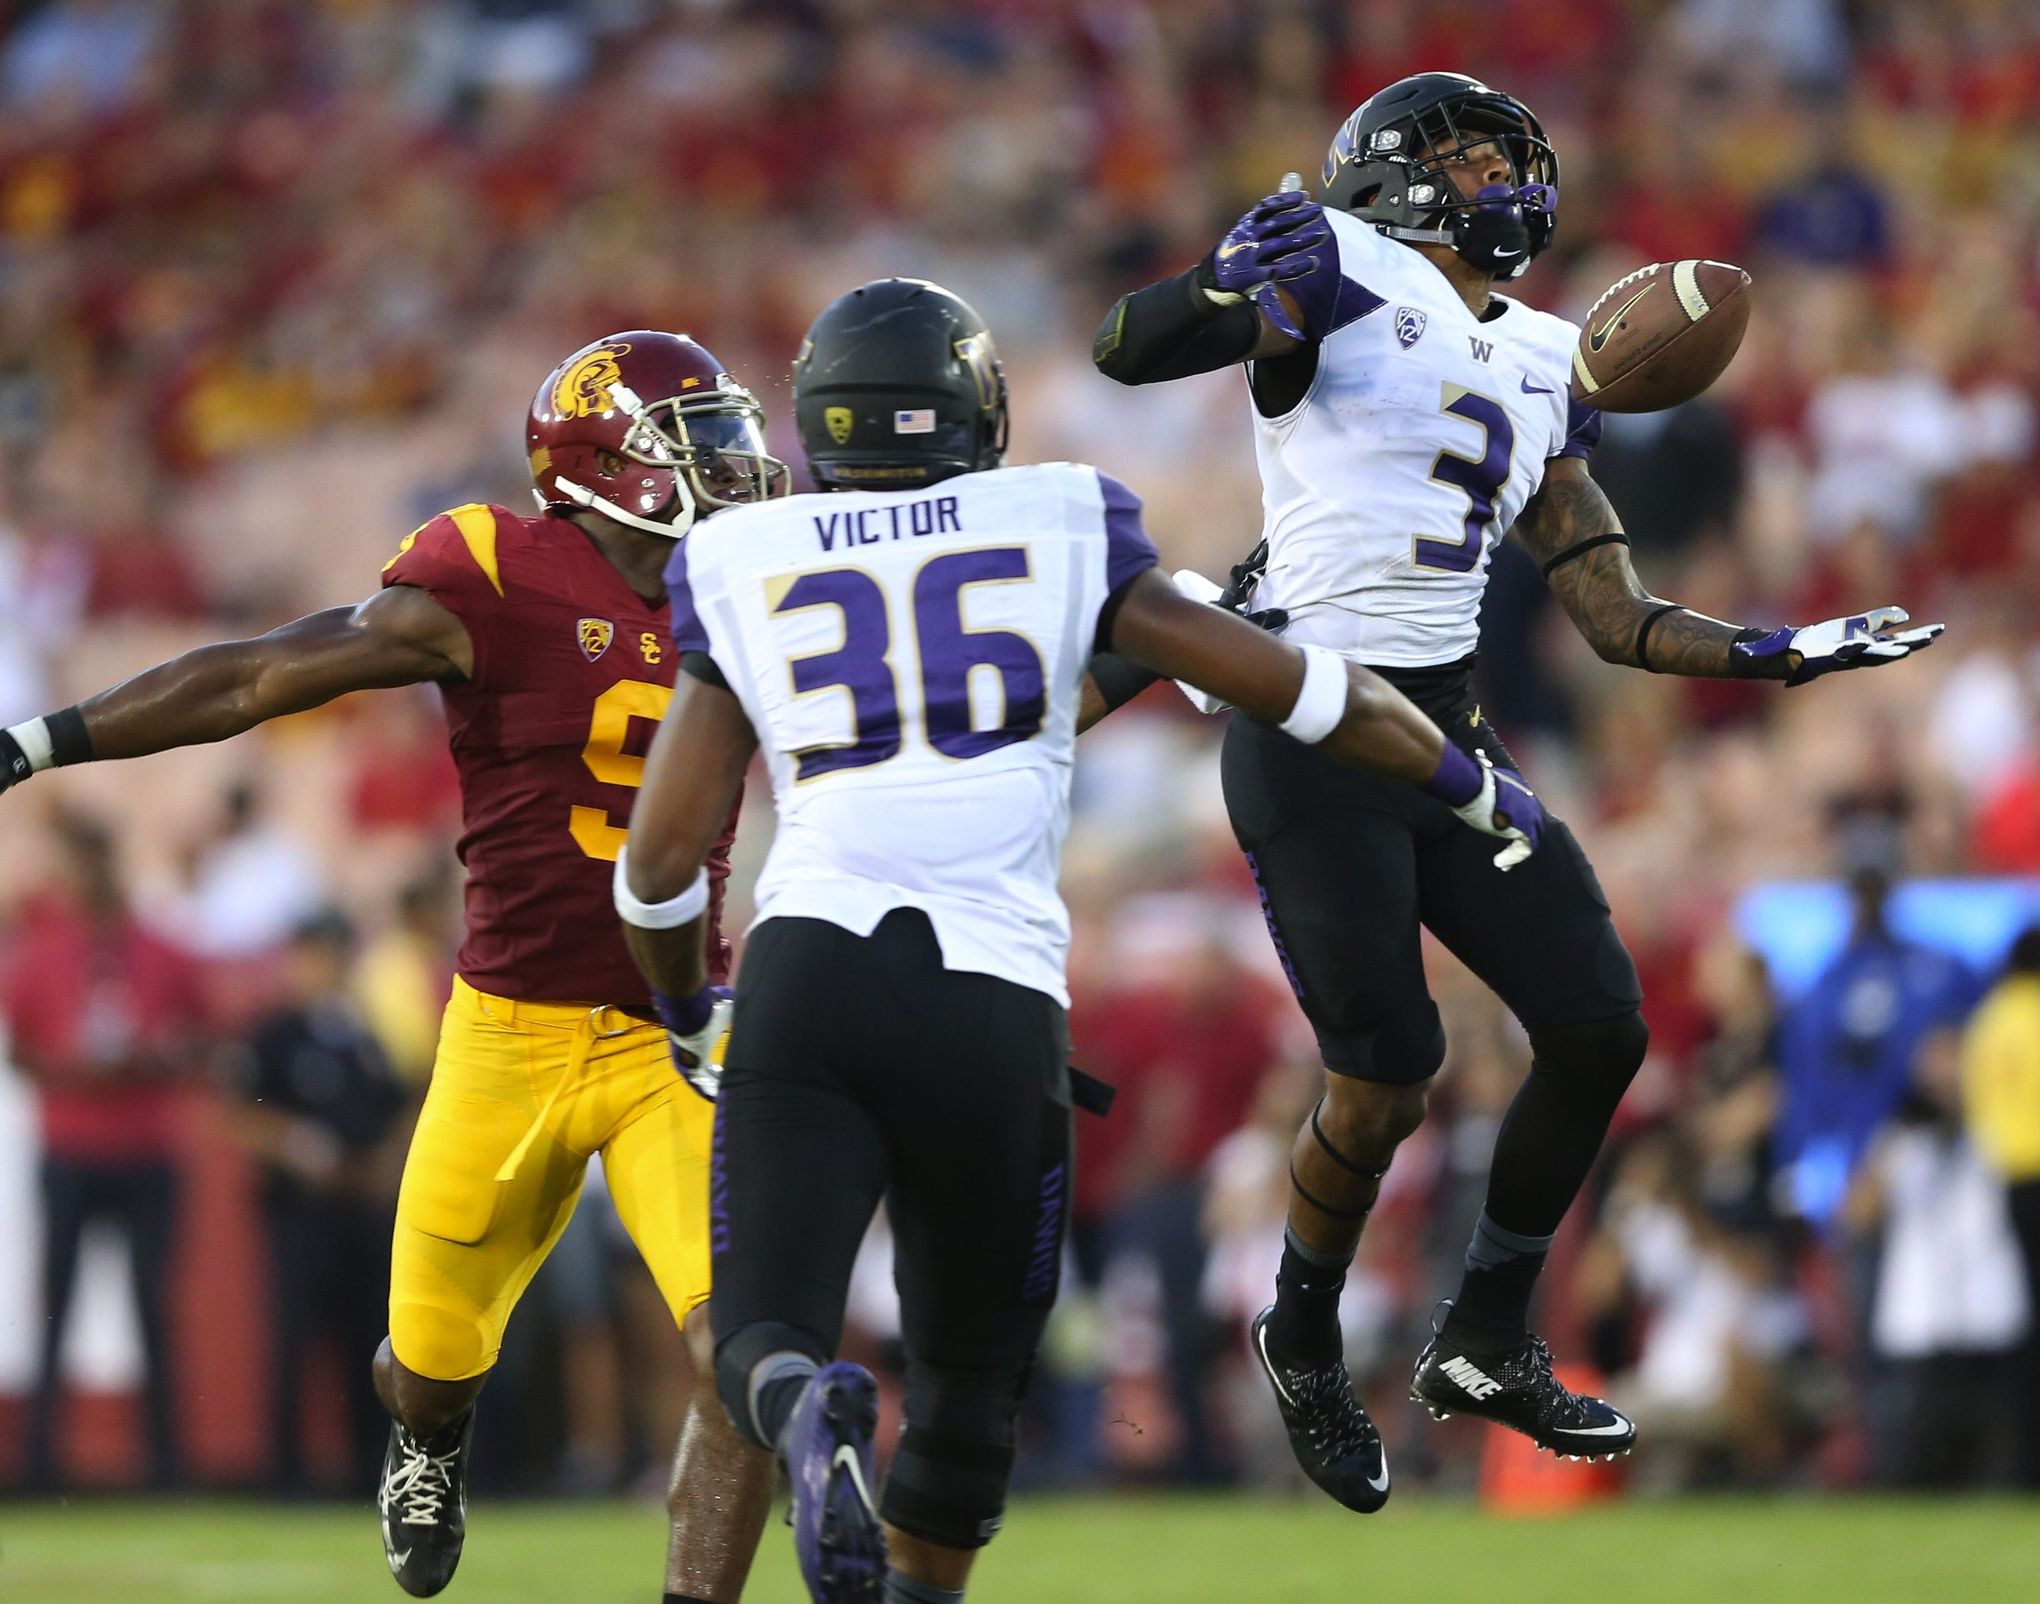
pixel 422 1481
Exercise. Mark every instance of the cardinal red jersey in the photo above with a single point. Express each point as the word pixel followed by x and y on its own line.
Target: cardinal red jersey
pixel 572 673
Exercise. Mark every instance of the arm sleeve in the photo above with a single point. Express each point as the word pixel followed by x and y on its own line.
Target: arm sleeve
pixel 453 559
pixel 1170 330
pixel 1582 431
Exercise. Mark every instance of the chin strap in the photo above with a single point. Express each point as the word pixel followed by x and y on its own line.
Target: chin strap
pixel 582 496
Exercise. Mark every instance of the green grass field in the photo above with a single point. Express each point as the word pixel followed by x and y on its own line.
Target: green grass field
pixel 1112 1550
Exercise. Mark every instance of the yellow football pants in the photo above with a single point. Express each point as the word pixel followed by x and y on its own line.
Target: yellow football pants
pixel 522 1094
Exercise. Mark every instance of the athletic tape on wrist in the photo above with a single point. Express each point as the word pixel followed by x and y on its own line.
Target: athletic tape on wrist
pixel 1321 703
pixel 689 905
pixel 33 737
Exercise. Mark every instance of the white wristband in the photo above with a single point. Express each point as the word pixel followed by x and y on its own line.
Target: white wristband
pixel 1321 704
pixel 673 912
pixel 33 737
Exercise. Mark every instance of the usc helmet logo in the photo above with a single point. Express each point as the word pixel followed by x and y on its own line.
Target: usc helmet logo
pixel 583 389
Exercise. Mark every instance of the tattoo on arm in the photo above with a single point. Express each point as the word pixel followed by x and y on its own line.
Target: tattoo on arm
pixel 1567 528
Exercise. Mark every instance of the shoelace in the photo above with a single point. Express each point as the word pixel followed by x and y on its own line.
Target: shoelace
pixel 423 1481
pixel 1342 1429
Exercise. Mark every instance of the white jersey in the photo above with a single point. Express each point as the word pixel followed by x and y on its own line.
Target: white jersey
pixel 1386 489
pixel 912 663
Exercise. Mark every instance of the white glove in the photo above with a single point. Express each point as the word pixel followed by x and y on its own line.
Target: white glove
pixel 698 1053
pixel 1863 641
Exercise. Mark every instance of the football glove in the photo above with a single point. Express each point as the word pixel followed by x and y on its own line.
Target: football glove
pixel 1281 239
pixel 1863 641
pixel 697 1031
pixel 1507 809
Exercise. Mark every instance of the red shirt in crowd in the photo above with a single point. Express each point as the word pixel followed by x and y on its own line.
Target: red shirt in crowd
pixel 101 1016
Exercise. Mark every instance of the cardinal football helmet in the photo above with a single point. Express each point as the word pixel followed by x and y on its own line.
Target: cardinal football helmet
pixel 647 428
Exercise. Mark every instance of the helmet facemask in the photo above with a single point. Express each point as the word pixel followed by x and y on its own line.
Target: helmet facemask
pixel 712 443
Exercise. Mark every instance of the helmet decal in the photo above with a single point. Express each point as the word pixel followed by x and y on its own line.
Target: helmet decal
pixel 583 388
pixel 839 421
pixel 975 352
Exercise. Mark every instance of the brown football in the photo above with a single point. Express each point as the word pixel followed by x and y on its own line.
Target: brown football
pixel 1660 336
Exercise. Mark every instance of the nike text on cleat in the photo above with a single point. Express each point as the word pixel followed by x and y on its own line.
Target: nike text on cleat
pixel 1515 1388
pixel 826 1450
pixel 1330 1434
pixel 423 1505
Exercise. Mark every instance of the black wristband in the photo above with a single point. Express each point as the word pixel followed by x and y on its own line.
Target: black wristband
pixel 1643 634
pixel 1741 665
pixel 70 742
pixel 1120 679
pixel 1581 548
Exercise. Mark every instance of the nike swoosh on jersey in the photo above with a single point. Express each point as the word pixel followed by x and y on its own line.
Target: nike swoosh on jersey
pixel 1600 337
pixel 1536 389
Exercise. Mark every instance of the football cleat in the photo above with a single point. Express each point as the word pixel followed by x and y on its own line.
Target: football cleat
pixel 1330 1434
pixel 826 1450
pixel 423 1502
pixel 1515 1388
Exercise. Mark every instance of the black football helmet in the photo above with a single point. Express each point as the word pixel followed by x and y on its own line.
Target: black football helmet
pixel 898 383
pixel 1386 164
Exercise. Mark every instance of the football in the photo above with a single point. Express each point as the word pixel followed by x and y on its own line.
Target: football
pixel 1660 336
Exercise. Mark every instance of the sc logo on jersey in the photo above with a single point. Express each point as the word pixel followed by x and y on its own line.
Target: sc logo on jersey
pixel 1409 324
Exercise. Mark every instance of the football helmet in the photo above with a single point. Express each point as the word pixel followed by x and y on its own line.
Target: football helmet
pixel 1386 165
pixel 898 383
pixel 647 428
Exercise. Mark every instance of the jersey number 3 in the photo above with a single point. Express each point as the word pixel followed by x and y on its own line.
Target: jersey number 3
pixel 949 654
pixel 1479 479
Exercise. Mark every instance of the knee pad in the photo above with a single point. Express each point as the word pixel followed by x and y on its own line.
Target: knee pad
pixel 738 1354
pixel 955 1458
pixel 1403 1051
pixel 1594 1061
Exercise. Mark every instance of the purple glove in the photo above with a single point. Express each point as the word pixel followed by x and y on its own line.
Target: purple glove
pixel 1494 801
pixel 1273 243
pixel 695 1028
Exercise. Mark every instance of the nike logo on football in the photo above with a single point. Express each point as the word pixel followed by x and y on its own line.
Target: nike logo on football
pixel 1599 337
pixel 847 1459
pixel 1536 389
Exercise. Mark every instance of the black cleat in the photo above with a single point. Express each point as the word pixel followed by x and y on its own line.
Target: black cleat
pixel 1330 1434
pixel 1515 1388
pixel 423 1501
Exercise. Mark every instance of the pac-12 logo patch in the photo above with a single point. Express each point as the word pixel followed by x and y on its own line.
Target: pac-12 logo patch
pixel 1409 325
pixel 594 634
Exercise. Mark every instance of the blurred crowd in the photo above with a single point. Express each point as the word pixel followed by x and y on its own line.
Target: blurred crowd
pixel 275 280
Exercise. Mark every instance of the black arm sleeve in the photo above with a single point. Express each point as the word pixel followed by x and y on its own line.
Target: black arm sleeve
pixel 1171 330
pixel 1119 679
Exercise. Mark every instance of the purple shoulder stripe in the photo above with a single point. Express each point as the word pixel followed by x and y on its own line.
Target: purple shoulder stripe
pixel 1582 430
pixel 689 635
pixel 1127 547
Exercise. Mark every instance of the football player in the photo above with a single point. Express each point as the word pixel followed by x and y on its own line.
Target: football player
pixel 548 639
pixel 1405 416
pixel 909 648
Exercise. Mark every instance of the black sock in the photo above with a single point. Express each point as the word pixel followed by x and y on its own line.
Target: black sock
pixel 1305 1324
pixel 1493 1306
pixel 777 1381
pixel 905 1590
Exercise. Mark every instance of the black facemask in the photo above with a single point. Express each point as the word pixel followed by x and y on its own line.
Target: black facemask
pixel 1492 236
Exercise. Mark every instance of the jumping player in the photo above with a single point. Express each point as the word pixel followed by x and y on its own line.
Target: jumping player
pixel 910 651
pixel 1405 417
pixel 548 639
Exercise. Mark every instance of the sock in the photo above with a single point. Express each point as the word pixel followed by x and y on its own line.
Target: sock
pixel 905 1590
pixel 686 1598
pixel 1493 1306
pixel 1305 1324
pixel 777 1381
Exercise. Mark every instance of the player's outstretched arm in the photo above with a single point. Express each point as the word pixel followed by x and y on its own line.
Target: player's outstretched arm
pixel 1317 697
pixel 399 636
pixel 692 775
pixel 1573 533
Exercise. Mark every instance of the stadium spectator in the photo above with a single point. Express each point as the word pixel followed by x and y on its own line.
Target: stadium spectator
pixel 2001 1084
pixel 1951 1308
pixel 103 1018
pixel 318 1107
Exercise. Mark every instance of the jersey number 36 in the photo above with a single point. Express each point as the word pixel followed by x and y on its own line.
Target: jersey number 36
pixel 949 654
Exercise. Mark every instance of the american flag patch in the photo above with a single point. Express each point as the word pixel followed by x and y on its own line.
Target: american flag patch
pixel 919 421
